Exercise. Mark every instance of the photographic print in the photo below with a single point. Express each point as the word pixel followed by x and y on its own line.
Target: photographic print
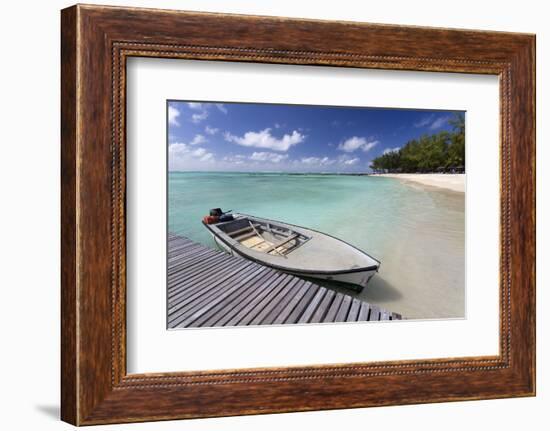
pixel 297 214
pixel 286 216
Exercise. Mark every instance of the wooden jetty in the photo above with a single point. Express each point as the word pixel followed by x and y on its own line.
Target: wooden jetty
pixel 209 288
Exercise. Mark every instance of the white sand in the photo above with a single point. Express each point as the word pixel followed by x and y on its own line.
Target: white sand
pixel 454 182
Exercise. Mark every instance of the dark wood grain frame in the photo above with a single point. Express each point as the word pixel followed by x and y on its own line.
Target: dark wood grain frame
pixel 96 42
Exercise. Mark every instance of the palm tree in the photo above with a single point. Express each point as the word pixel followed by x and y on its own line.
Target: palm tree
pixel 429 153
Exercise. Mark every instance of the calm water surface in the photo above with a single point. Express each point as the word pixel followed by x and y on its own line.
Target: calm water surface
pixel 416 232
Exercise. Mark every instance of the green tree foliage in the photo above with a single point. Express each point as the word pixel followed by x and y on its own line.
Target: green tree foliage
pixel 429 153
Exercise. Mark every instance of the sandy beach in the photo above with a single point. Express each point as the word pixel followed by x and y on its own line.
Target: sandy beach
pixel 454 182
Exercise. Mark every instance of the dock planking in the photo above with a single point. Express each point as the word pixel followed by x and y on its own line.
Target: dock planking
pixel 210 288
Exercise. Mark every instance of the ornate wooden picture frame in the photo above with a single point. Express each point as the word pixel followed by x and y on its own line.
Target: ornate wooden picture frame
pixel 96 42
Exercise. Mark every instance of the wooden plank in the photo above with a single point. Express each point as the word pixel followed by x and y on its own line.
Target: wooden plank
pixel 198 261
pixel 192 259
pixel 221 308
pixel 177 249
pixel 202 308
pixel 342 313
pixel 321 311
pixel 181 249
pixel 172 235
pixel 178 286
pixel 301 307
pixel 363 312
pixel 248 300
pixel 252 313
pixel 247 313
pixel 272 305
pixel 187 256
pixel 184 254
pixel 384 315
pixel 202 291
pixel 374 314
pixel 175 239
pixel 184 249
pixel 204 256
pixel 178 266
pixel 178 242
pixel 334 307
pixel 173 258
pixel 280 243
pixel 291 305
pixel 210 282
pixel 244 236
pixel 312 306
pixel 219 295
pixel 354 310
pixel 239 231
pixel 291 291
pixel 182 271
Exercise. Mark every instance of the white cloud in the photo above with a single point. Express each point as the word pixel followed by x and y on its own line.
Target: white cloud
pixel 391 150
pixel 439 122
pixel 221 107
pixel 211 130
pixel 355 143
pixel 346 160
pixel 238 159
pixel 264 139
pixel 318 161
pixel 201 111
pixel 181 155
pixel 202 154
pixel 198 139
pixel 342 161
pixel 178 148
pixel 208 157
pixel 199 152
pixel 424 121
pixel 197 118
pixel 265 156
pixel 173 115
pixel 351 162
pixel 432 122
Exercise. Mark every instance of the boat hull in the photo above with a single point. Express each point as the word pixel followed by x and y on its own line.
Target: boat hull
pixel 356 279
pixel 222 246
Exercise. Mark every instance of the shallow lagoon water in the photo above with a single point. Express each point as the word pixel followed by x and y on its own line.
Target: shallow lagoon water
pixel 418 233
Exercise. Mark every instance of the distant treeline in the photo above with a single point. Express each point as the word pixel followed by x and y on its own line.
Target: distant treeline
pixel 440 152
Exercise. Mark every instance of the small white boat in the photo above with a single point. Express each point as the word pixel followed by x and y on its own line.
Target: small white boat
pixel 293 249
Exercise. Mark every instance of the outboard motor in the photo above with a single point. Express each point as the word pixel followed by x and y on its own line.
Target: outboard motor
pixel 226 217
pixel 217 216
pixel 216 212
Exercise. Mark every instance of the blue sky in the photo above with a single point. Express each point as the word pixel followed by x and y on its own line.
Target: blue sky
pixel 289 138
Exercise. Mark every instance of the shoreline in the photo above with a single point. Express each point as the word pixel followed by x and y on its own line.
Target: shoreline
pixel 453 182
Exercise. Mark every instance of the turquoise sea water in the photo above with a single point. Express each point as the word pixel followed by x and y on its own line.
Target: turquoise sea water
pixel 416 232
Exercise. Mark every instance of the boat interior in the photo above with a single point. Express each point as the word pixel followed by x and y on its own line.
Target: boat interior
pixel 263 236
